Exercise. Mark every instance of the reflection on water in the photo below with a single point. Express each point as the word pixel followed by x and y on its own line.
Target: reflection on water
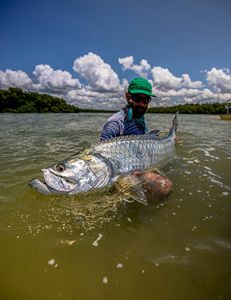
pixel 95 246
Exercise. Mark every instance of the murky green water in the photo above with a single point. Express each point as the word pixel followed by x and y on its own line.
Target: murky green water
pixel 105 249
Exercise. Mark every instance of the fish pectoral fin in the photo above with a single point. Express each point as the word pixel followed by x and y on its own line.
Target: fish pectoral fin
pixel 131 188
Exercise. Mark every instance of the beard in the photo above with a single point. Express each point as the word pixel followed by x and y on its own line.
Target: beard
pixel 138 111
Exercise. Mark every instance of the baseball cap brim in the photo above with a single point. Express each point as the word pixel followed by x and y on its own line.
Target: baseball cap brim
pixel 142 92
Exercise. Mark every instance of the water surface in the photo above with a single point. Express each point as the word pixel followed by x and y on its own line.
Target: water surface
pixel 95 247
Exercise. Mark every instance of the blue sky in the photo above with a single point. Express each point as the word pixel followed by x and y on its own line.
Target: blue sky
pixel 87 51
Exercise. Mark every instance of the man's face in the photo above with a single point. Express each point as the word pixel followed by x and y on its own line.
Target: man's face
pixel 139 103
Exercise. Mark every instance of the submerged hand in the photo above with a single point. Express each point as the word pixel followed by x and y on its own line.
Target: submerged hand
pixel 156 187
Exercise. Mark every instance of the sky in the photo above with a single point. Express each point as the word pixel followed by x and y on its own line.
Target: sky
pixel 86 52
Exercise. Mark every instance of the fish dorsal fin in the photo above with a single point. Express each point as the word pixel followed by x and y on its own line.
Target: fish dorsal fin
pixel 131 189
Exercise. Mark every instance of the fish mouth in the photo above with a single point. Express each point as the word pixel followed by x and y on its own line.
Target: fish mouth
pixel 53 184
pixel 41 186
pixel 58 182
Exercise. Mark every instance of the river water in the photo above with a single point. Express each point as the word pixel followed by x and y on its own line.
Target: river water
pixel 97 247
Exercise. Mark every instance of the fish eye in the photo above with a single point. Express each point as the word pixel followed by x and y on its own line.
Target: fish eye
pixel 60 167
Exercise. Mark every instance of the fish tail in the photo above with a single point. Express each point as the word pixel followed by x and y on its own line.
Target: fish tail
pixel 173 129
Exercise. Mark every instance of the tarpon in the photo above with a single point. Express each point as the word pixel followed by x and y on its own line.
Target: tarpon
pixel 106 162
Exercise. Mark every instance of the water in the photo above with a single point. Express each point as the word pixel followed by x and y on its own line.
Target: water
pixel 95 247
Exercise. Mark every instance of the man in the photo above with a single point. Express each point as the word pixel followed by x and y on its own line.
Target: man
pixel 130 121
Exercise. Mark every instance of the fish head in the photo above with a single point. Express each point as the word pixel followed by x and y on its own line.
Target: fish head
pixel 74 175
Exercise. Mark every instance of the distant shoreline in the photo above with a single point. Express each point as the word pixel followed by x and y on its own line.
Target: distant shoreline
pixel 15 100
pixel 223 116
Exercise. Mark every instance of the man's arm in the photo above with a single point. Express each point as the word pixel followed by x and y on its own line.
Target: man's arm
pixel 110 130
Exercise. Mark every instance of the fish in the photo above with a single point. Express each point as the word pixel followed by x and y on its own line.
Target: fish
pixel 108 162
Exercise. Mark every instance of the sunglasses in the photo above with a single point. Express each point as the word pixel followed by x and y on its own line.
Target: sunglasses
pixel 140 99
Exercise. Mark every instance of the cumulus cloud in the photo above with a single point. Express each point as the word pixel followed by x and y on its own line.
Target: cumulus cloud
pixel 89 98
pixel 45 80
pixel 141 69
pixel 51 80
pixel 182 96
pixel 173 90
pixel 98 74
pixel 188 83
pixel 10 78
pixel 165 80
pixel 99 86
pixel 219 80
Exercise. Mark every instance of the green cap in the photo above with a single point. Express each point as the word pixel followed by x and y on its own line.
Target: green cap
pixel 140 86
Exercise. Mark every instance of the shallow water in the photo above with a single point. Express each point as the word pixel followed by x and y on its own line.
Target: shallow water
pixel 95 246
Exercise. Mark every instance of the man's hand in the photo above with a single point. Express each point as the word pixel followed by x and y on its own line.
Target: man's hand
pixel 156 187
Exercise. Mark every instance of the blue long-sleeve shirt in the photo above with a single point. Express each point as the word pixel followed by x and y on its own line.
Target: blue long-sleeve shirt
pixel 118 124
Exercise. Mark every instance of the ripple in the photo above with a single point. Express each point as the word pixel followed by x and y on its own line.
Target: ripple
pixel 224 244
pixel 169 259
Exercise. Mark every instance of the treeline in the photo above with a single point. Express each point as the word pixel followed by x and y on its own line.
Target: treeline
pixel 17 101
pixel 205 108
